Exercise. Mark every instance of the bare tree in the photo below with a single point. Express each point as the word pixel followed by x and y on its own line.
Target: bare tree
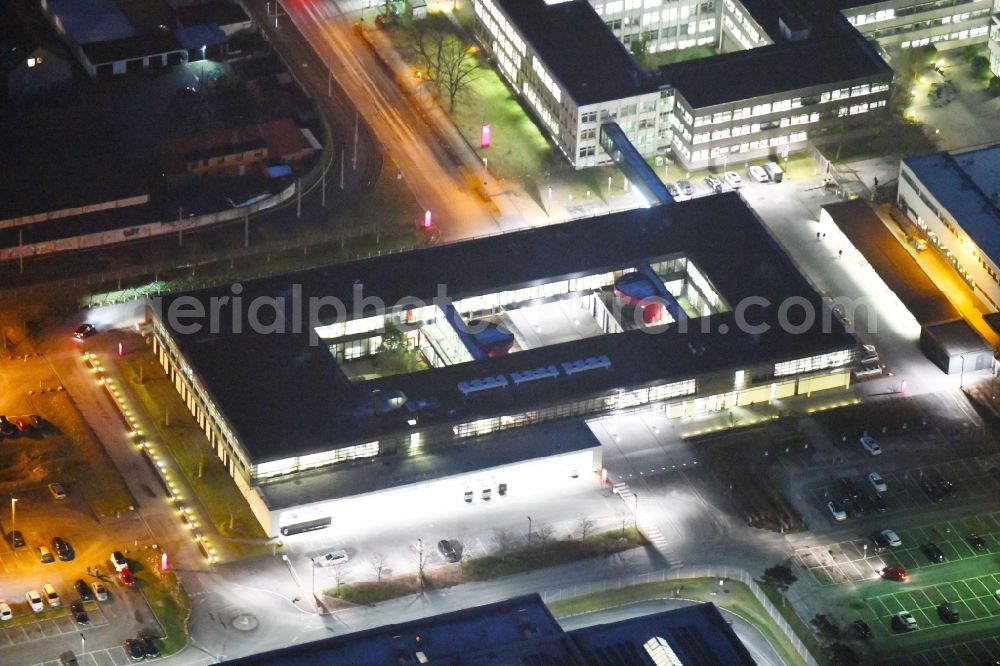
pixel 448 63
pixel 338 576
pixel 543 532
pixel 585 525
pixel 377 563
pixel 420 555
pixel 505 541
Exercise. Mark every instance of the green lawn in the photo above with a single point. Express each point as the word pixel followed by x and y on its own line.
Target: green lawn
pixel 373 592
pixel 733 596
pixel 217 494
pixel 166 598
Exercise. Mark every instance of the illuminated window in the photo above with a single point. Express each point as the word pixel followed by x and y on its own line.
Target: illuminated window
pixel 661 653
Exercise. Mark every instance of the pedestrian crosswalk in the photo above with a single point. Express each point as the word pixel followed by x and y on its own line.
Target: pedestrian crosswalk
pixel 647 526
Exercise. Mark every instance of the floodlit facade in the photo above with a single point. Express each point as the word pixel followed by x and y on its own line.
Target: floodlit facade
pixel 629 311
pixel 570 63
pixel 914 23
pixel 954 199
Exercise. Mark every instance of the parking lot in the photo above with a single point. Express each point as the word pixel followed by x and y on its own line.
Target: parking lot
pixel 108 657
pixel 972 478
pixel 980 651
pixel 973 598
pixel 53 626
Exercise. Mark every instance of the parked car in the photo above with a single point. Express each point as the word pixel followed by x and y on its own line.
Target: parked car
pixel 82 590
pixel 333 558
pixel 714 183
pixel 447 550
pixel 869 355
pixel 118 561
pixel 51 596
pixel 22 424
pixel 133 648
pixel 5 612
pixel 58 491
pixel 64 551
pixel 879 542
pixel 37 420
pixel 948 613
pixel 733 179
pixel 878 483
pixel 903 621
pixel 150 646
pixel 861 629
pixel 126 578
pixel 932 552
pixel 757 174
pixel 946 487
pixel 79 614
pixel 672 190
pixel 892 538
pixel 836 510
pixel 870 445
pixel 686 188
pixel 774 171
pixel 34 600
pixel 100 592
pixel 84 331
pixel 67 658
pixel 977 542
pixel 895 573
pixel 7 428
pixel 15 539
pixel 45 555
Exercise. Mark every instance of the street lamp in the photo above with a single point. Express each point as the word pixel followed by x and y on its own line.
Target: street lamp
pixel 635 512
pixel 13 505
pixel 529 530
pixel 961 374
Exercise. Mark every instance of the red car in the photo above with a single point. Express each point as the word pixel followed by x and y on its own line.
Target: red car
pixel 895 573
pixel 126 578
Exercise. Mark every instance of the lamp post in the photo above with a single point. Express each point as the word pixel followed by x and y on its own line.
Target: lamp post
pixel 529 530
pixel 13 506
pixel 961 374
pixel 635 512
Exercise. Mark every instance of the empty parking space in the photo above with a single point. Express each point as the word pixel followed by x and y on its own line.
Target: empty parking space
pixel 970 652
pixel 843 562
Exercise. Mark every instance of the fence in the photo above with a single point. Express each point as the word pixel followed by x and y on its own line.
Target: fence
pixel 709 571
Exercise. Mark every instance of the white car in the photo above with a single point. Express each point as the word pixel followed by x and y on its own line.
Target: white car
pixel 878 483
pixel 34 600
pixel 733 179
pixel 892 538
pixel 836 511
pixel 758 174
pixel 100 592
pixel 51 595
pixel 333 558
pixel 5 612
pixel 905 621
pixel 870 445
pixel 118 561
pixel 869 355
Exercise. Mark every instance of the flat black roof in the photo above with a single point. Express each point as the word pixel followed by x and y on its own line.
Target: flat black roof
pixel 957 337
pixel 897 268
pixel 829 55
pixel 521 630
pixel 578 49
pixel 285 396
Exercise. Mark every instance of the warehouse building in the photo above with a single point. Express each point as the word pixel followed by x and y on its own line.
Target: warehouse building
pixel 440 370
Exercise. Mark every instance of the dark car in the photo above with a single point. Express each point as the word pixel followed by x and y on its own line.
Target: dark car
pixel 977 542
pixel 672 190
pixel 80 615
pixel 932 552
pixel 83 590
pixel 7 429
pixel 877 502
pixel 879 542
pixel 133 649
pixel 37 420
pixel 63 550
pixel 447 550
pixel 67 658
pixel 861 629
pixel 932 490
pixel 150 646
pixel 686 188
pixel 15 539
pixel 84 331
pixel 947 487
pixel 948 613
